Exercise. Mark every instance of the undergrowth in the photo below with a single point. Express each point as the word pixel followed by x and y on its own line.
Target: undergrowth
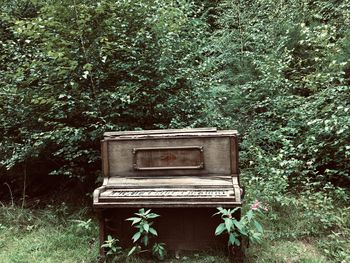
pixel 53 234
pixel 294 232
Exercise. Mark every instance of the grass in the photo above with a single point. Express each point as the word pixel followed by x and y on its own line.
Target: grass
pixel 45 236
pixel 286 251
pixel 196 257
pixel 63 234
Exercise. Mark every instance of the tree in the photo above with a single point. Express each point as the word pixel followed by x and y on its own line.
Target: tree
pixel 282 80
pixel 72 70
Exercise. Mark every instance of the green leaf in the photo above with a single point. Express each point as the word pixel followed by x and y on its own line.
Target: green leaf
pixel 228 224
pixel 134 220
pixel 231 239
pixel 132 250
pixel 258 226
pixel 219 212
pixel 141 212
pixel 146 227
pixel 238 224
pixel 152 215
pixel 256 237
pixel 234 210
pixel 145 240
pixel 224 212
pixel 153 231
pixel 158 250
pixel 250 215
pixel 136 236
pixel 147 212
pixel 220 228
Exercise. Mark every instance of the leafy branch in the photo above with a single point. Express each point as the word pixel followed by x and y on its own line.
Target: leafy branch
pixel 141 238
pixel 247 226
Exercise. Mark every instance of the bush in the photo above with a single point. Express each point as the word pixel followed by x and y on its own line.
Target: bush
pixel 72 70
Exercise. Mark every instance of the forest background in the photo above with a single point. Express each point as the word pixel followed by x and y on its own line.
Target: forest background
pixel 277 71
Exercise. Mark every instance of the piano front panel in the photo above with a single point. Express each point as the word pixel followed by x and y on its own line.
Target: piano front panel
pixel 216 157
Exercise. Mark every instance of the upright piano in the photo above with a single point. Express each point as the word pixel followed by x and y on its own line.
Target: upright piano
pixel 182 174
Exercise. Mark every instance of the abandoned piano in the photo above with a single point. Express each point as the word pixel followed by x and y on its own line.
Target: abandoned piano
pixel 182 175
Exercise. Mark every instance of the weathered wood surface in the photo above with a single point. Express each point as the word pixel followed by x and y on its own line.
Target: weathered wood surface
pixel 168 131
pixel 178 228
pixel 216 155
pixel 168 184
pixel 105 158
pixel 168 158
pixel 193 161
pixel 214 180
pixel 157 136
pixel 182 174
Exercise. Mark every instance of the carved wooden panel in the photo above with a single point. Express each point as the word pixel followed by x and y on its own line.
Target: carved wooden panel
pixel 168 158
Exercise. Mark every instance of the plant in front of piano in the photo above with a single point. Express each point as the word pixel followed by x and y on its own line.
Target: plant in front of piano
pixel 231 226
pixel 247 226
pixel 111 247
pixel 143 223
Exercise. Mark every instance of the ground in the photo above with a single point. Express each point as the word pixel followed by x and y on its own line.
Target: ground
pixel 65 234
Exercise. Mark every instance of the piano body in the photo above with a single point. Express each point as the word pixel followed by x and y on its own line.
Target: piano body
pixel 183 175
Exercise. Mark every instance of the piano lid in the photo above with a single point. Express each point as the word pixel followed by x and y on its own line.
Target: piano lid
pixel 164 131
pixel 169 134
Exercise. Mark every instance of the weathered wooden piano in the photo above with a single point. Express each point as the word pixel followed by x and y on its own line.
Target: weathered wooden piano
pixel 183 175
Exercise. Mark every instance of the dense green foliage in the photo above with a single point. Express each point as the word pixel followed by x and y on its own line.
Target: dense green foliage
pixel 284 75
pixel 72 70
pixel 281 77
pixel 277 71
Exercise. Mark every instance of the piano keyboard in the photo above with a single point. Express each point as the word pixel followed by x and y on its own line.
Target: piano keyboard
pixel 169 193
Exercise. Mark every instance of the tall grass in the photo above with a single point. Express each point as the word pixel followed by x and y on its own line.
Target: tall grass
pixel 46 235
pixel 62 234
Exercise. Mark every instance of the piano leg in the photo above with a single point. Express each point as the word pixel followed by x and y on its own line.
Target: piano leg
pixel 236 253
pixel 102 236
